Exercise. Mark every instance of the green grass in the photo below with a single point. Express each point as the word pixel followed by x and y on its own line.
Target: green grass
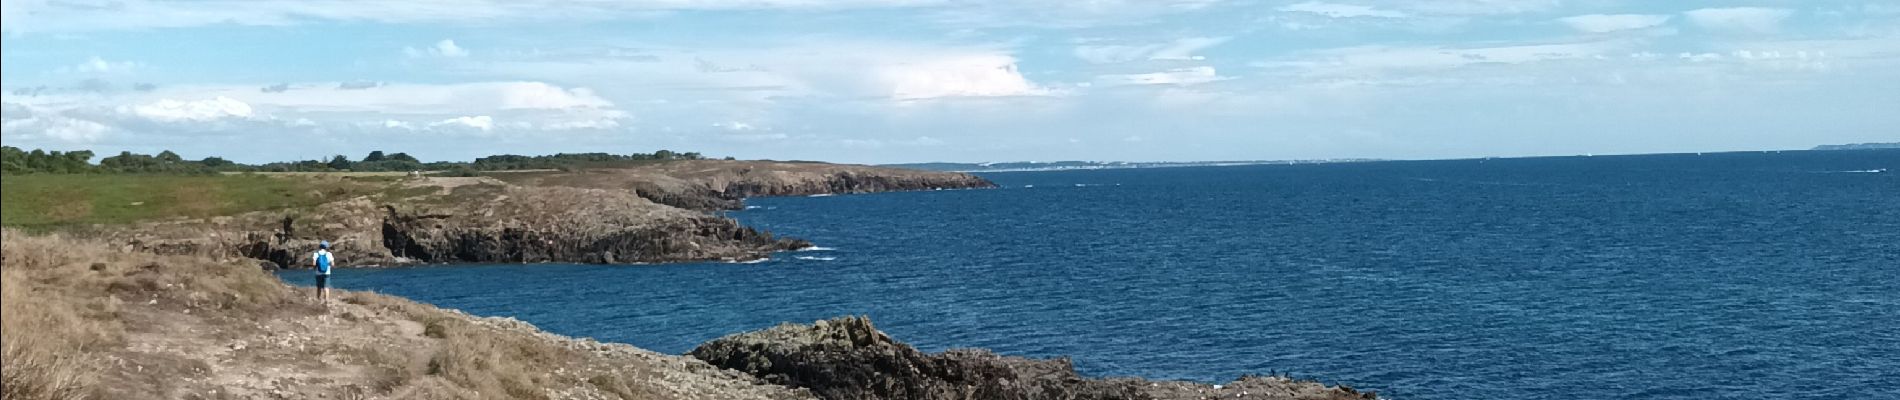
pixel 37 202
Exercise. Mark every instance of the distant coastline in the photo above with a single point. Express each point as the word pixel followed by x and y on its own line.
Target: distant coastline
pixel 1025 166
pixel 1859 146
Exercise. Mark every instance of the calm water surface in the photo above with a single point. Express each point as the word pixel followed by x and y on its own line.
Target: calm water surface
pixel 1650 277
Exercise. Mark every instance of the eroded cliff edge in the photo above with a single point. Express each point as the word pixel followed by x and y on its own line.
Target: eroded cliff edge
pixel 642 213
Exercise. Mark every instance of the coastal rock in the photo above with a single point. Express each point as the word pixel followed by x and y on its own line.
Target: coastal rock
pixel 654 212
pixel 515 224
pixel 721 185
pixel 848 358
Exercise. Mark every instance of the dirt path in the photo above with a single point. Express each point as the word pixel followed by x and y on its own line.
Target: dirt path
pixel 302 351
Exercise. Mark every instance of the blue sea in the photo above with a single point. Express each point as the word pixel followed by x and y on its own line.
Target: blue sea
pixel 1718 276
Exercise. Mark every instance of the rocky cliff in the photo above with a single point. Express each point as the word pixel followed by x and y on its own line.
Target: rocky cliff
pixel 646 213
pixel 550 224
pixel 849 359
pixel 721 185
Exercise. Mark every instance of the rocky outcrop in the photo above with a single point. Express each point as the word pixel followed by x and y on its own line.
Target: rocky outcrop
pixel 721 185
pixel 514 224
pixel 474 223
pixel 645 213
pixel 848 358
pixel 277 239
pixel 846 181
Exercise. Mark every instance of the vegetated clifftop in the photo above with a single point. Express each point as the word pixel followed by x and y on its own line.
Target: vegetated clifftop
pixel 653 212
pixel 721 185
pixel 848 358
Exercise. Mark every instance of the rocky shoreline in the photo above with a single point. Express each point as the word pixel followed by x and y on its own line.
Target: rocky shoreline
pixel 187 314
pixel 83 319
pixel 848 358
pixel 652 213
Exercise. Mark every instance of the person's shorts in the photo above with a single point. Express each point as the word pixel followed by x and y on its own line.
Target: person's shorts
pixel 323 280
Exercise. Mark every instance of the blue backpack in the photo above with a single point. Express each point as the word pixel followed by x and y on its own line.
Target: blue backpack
pixel 323 263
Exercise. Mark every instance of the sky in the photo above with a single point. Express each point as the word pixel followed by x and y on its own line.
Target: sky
pixel 887 81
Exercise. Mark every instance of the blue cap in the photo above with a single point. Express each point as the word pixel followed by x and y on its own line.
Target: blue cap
pixel 323 244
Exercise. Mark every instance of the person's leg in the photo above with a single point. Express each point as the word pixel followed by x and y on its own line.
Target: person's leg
pixel 323 287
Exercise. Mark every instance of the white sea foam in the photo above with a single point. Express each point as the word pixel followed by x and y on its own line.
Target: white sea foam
pixel 820 195
pixel 753 207
pixel 752 261
pixel 1029 186
pixel 817 248
pixel 810 258
pixel 1864 171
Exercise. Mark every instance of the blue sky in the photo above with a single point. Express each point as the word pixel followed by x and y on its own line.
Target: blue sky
pixel 879 81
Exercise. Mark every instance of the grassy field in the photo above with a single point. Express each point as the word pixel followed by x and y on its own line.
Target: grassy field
pixel 35 202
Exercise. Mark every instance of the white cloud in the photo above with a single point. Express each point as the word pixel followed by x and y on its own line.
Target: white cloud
pixel 406 98
pixel 1370 59
pixel 172 110
pixel 1180 49
pixel 764 75
pixel 1339 10
pixel 923 141
pixel 1062 13
pixel 1740 19
pixel 1109 54
pixel 444 48
pixel 920 141
pixel 1184 49
pixel 32 124
pixel 1178 76
pixel 479 122
pixel 57 16
pixel 755 137
pixel 1603 23
pixel 96 65
pixel 188 111
pixel 736 126
pixel 974 75
pixel 1479 7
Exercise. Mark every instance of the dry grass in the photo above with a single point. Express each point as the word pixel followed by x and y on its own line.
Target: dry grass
pixel 83 320
pixel 48 331
pixel 477 357
pixel 62 305
pixel 62 302
pixel 43 341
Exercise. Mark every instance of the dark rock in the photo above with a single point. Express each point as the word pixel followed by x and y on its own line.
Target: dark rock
pixel 569 225
pixel 692 197
pixel 848 358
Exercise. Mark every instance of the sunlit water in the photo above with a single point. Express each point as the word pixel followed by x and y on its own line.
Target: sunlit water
pixel 1718 276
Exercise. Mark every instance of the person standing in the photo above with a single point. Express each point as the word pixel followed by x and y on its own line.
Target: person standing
pixel 322 260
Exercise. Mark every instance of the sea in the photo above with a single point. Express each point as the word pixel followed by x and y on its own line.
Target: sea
pixel 1758 275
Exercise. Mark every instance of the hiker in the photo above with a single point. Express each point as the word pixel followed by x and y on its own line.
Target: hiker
pixel 323 260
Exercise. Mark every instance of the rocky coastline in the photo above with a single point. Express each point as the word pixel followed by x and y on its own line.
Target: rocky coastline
pixel 187 314
pixel 848 358
pixel 85 319
pixel 652 213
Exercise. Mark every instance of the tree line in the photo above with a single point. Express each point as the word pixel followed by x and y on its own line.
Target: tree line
pixel 14 160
